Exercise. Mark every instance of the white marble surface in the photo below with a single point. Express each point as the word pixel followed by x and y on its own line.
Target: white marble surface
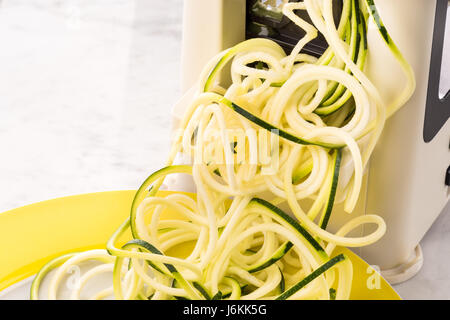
pixel 85 92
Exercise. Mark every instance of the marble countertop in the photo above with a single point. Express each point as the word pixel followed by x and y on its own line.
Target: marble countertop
pixel 85 92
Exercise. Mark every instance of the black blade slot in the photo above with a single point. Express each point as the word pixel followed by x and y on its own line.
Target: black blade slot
pixel 265 20
pixel 437 109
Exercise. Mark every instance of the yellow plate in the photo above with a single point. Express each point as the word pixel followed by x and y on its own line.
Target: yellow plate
pixel 34 234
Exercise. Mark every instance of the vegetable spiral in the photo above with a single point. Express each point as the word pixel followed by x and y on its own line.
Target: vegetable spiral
pixel 289 130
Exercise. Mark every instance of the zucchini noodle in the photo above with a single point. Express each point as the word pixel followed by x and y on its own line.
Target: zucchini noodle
pixel 292 130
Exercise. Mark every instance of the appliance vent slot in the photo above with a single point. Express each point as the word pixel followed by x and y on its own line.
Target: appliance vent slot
pixel 437 109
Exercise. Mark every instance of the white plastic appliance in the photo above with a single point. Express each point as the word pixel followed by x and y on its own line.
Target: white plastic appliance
pixel 408 179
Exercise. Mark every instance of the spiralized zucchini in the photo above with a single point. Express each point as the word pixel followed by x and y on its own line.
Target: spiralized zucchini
pixel 292 130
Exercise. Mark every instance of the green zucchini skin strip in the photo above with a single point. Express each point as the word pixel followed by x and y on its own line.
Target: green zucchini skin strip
pixel 355 47
pixel 370 4
pixel 330 201
pixel 110 245
pixel 230 55
pixel 282 285
pixel 341 95
pixel 328 55
pixel 202 290
pixel 141 244
pixel 287 219
pixel 175 274
pixel 228 294
pixel 234 286
pixel 313 275
pixel 278 254
pixel 217 296
pixel 117 271
pixel 332 294
pixel 380 25
pixel 143 191
pixel 269 127
pixel 174 285
pixel 114 251
pixel 302 171
pixel 49 266
pixel 407 68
